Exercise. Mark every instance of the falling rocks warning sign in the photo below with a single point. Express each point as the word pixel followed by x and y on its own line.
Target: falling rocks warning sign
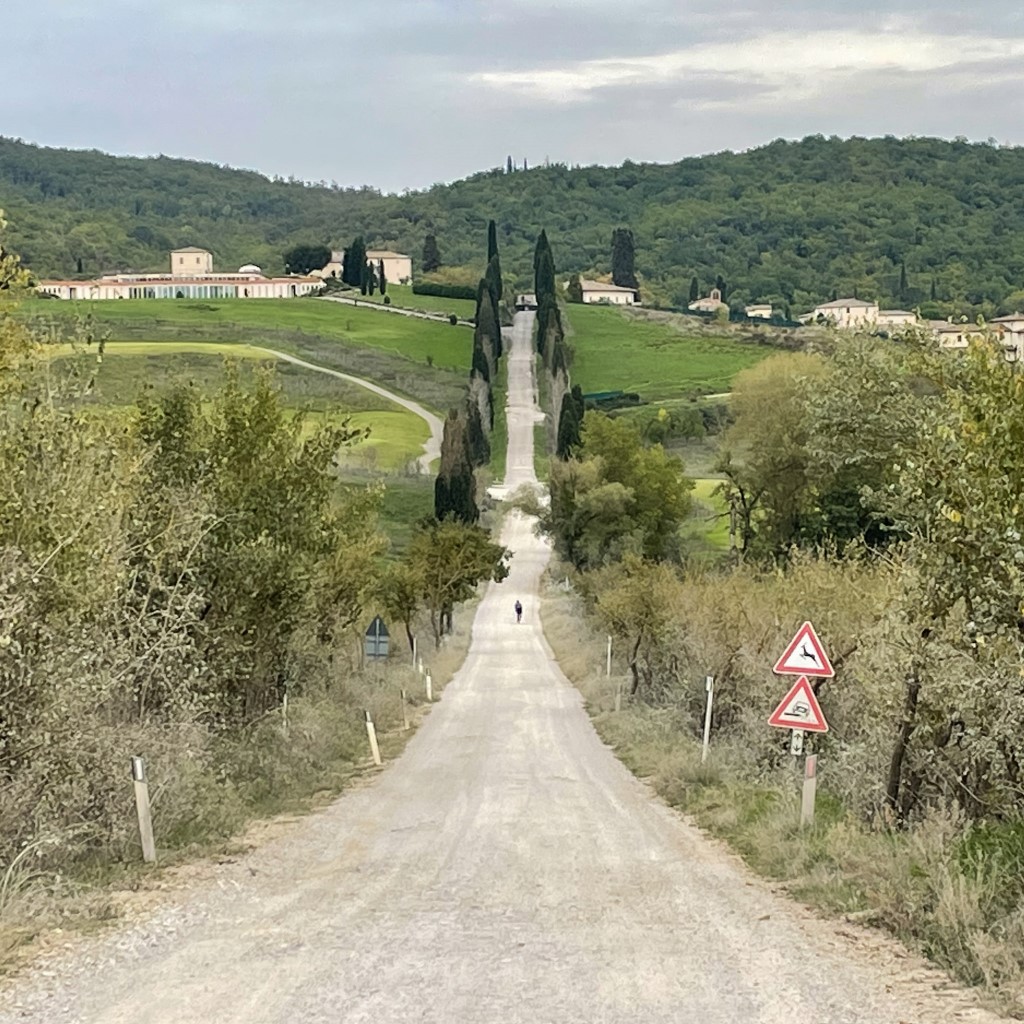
pixel 799 709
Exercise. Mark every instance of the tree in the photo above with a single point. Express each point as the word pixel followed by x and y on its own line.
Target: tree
pixel 353 268
pixel 694 289
pixel 455 486
pixel 544 270
pixel 904 288
pixel 720 285
pixel 492 240
pixel 623 259
pixel 568 439
pixel 382 280
pixel 574 293
pixel 12 273
pixel 509 167
pixel 431 254
pixel 302 259
pixel 450 560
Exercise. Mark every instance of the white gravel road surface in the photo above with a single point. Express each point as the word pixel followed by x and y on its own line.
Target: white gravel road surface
pixel 506 868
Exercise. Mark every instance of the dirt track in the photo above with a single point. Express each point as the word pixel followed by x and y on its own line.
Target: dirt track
pixel 505 869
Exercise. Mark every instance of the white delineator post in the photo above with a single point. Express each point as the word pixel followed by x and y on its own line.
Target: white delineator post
pixel 608 665
pixel 371 732
pixel 419 666
pixel 405 712
pixel 143 811
pixel 414 652
pixel 810 790
pixel 709 689
pixel 284 714
pixel 430 689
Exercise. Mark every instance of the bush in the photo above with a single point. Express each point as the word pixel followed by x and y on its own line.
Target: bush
pixel 452 319
pixel 444 291
pixel 387 300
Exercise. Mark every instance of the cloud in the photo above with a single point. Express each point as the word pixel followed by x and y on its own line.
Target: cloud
pixel 777 66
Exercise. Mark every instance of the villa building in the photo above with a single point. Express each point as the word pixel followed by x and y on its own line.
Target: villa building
pixel 192 277
pixel 598 291
pixel 397 265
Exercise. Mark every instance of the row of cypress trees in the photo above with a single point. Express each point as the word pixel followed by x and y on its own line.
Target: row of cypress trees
pixel 567 406
pixel 467 429
pixel 357 271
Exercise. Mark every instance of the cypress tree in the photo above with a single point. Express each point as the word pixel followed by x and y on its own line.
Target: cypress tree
pixel 364 278
pixel 508 165
pixel 488 330
pixel 493 279
pixel 355 260
pixel 454 487
pixel 934 290
pixel 578 400
pixel 476 438
pixel 382 281
pixel 574 293
pixel 903 283
pixel 479 363
pixel 492 240
pixel 694 288
pixel 720 285
pixel 545 276
pixel 623 259
pixel 431 254
pixel 568 428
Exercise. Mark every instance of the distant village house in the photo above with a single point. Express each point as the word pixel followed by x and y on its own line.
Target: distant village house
pixel 397 266
pixel 192 277
pixel 759 311
pixel 598 291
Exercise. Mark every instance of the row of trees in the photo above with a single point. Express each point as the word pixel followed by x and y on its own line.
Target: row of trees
pixel 466 446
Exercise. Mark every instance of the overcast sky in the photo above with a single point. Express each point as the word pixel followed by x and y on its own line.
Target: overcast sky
pixel 403 93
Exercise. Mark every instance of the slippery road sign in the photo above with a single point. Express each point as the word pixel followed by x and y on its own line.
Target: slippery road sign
pixel 799 709
pixel 805 656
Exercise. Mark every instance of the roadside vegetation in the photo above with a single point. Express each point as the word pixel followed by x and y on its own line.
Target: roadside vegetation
pixel 874 488
pixel 182 559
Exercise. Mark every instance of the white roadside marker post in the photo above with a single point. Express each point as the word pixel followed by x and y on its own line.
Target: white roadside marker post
pixel 419 666
pixel 810 790
pixel 430 689
pixel 371 732
pixel 284 714
pixel 608 660
pixel 405 712
pixel 143 811
pixel 414 652
pixel 709 689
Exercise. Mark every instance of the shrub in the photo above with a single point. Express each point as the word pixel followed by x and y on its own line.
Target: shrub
pixel 452 319
pixel 444 291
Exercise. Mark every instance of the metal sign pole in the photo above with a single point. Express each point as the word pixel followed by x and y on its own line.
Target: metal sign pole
pixel 709 688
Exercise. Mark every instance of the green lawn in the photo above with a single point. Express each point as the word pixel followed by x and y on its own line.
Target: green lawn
pixel 128 368
pixel 445 346
pixel 401 295
pixel 613 352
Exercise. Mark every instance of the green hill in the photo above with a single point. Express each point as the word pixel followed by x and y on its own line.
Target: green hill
pixel 791 222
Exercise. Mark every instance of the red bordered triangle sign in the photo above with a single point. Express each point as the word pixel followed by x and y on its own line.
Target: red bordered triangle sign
pixel 799 709
pixel 805 656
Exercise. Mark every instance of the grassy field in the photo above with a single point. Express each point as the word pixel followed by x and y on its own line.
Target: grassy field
pixel 401 295
pixel 424 360
pixel 129 368
pixel 614 352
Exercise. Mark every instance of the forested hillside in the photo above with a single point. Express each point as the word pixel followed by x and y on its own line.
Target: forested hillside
pixel 911 221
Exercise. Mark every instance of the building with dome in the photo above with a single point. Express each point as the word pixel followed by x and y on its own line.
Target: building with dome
pixel 192 277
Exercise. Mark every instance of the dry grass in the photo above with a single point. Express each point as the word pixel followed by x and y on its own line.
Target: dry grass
pixel 934 886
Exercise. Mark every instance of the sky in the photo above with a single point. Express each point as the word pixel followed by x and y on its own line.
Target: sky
pixel 400 94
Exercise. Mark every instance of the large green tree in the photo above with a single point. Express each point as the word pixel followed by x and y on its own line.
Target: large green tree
pixel 301 259
pixel 624 259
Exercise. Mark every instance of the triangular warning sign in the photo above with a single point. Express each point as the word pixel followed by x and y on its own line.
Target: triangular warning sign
pixel 805 656
pixel 799 709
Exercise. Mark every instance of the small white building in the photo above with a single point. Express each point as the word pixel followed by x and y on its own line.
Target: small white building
pixel 711 303
pixel 759 311
pixel 616 295
pixel 953 335
pixel 896 318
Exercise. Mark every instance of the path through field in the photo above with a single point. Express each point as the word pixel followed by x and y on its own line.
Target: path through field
pixel 506 868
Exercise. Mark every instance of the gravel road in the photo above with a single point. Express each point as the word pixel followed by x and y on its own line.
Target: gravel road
pixel 506 868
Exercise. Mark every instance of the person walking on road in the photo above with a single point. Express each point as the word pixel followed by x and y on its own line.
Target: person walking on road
pixel 519 611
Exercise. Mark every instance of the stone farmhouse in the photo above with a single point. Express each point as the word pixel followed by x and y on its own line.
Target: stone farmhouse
pixel 397 265
pixel 192 277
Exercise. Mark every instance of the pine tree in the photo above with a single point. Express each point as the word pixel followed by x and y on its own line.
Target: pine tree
pixel 623 259
pixel 382 281
pixel 431 254
pixel 694 289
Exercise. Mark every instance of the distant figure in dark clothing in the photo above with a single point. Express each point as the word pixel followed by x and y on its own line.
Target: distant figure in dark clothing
pixel 519 612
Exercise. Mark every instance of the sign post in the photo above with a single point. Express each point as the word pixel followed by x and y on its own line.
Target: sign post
pixel 810 788
pixel 799 710
pixel 430 689
pixel 371 733
pixel 709 688
pixel 142 810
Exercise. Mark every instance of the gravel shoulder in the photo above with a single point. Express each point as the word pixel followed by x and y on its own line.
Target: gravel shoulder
pixel 505 868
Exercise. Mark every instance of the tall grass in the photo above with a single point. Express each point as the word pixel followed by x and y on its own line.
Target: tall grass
pixel 951 891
